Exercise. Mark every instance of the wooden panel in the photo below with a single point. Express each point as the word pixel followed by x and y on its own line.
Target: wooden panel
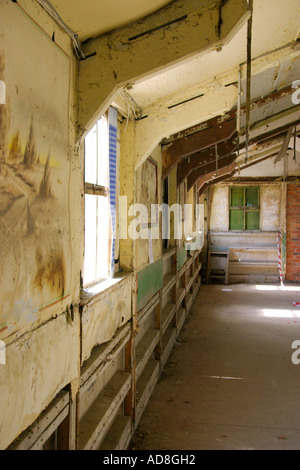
pixel 149 281
pixel 213 131
pixel 100 415
pixel 181 257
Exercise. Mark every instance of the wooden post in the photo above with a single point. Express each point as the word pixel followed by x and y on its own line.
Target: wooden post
pixel 157 350
pixel 129 401
pixel 66 431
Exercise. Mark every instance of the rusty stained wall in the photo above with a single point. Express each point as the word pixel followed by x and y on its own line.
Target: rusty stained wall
pixel 38 216
pixel 108 311
pixel 270 199
pixel 148 191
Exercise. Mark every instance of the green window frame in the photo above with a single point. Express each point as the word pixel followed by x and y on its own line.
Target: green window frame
pixel 244 208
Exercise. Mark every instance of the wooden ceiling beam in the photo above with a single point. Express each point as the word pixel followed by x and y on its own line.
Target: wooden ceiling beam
pixel 211 132
pixel 204 158
pixel 214 131
pixel 205 181
pixel 210 168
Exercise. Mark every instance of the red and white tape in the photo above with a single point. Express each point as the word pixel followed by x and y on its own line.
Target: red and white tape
pixel 279 257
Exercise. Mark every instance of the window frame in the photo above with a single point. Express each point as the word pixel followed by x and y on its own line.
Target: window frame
pixel 94 189
pixel 245 208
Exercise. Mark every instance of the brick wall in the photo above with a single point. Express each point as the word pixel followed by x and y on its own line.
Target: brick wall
pixel 293 233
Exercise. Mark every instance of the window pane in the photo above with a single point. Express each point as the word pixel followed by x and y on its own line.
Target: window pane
pixel 237 197
pixel 89 274
pixel 252 197
pixel 102 237
pixel 252 220
pixel 102 152
pixel 90 154
pixel 236 219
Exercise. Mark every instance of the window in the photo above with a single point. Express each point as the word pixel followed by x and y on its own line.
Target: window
pixel 244 208
pixel 97 219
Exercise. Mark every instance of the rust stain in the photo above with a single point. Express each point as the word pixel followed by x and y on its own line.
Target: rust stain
pixel 4 116
pixel 51 271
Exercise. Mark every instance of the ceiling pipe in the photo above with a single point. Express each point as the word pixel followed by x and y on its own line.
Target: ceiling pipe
pixel 249 57
pixel 74 37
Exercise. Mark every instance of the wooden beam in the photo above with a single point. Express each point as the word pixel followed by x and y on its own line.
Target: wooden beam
pixel 208 180
pixel 209 169
pixel 213 131
pixel 204 158
pixel 117 58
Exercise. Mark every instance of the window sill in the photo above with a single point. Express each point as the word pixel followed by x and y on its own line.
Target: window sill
pixel 244 232
pixel 95 291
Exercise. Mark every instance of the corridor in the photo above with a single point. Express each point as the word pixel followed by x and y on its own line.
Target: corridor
pixel 230 382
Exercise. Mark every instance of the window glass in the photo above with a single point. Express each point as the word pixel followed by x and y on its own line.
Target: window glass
pixel 90 245
pixel 237 197
pixel 252 220
pixel 236 219
pixel 97 214
pixel 252 197
pixel 244 208
pixel 90 156
pixel 102 171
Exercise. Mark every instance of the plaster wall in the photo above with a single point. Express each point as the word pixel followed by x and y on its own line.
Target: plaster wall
pixel 270 202
pixel 40 211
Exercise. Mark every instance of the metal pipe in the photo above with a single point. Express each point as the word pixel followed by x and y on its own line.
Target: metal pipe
pixel 74 37
pixel 238 117
pixel 249 44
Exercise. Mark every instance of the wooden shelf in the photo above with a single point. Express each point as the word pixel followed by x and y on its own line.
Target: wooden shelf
pixel 189 282
pixel 99 417
pixel 217 272
pixel 254 263
pixel 181 314
pixel 145 386
pixel 167 315
pixel 119 434
pixel 168 253
pixel 168 282
pixel 144 349
pixel 37 434
pixel 180 295
pixel 97 362
pixel 189 300
pixel 168 340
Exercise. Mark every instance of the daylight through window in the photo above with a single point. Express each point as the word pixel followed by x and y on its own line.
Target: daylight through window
pixel 96 250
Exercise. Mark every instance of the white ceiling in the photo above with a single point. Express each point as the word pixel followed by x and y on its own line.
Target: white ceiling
pixel 90 18
pixel 275 24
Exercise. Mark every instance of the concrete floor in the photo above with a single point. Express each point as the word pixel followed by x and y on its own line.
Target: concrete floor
pixel 230 382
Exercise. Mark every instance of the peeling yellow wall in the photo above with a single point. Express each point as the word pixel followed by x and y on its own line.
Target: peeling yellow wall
pixel 38 365
pixel 39 219
pixel 146 252
pixel 270 207
pixel 219 213
pixel 105 314
pixel 270 202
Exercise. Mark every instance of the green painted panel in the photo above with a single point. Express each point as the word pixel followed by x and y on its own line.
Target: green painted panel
pixel 252 197
pixel 252 220
pixel 237 197
pixel 181 257
pixel 236 219
pixel 149 281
